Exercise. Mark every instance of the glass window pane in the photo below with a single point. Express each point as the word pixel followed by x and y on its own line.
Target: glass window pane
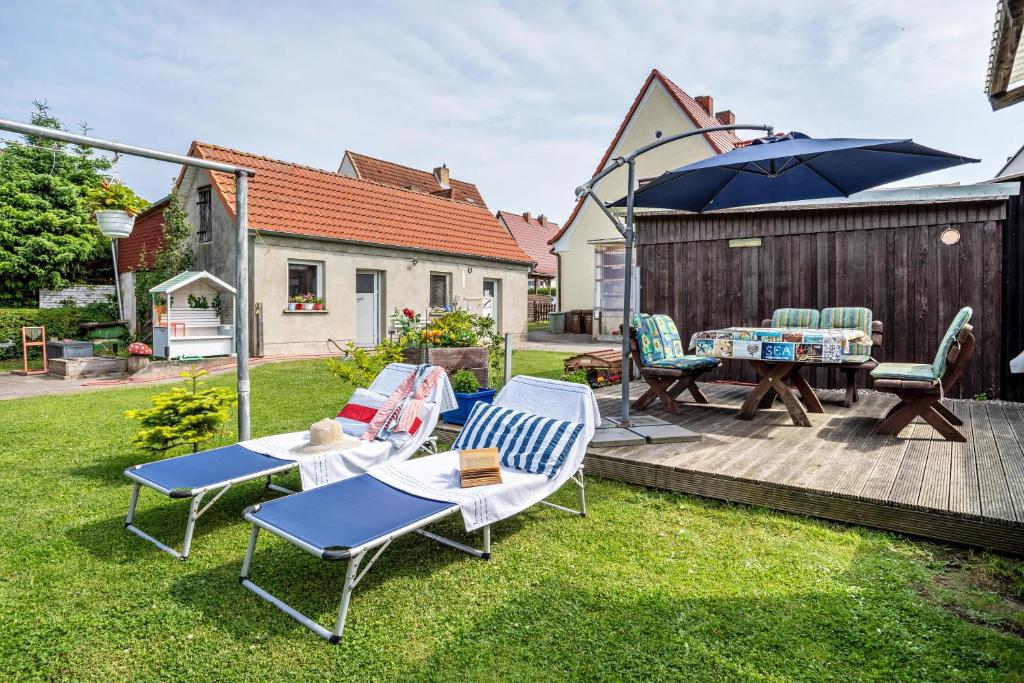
pixel 302 278
pixel 438 290
pixel 364 283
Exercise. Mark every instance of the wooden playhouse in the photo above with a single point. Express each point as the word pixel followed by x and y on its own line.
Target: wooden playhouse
pixel 193 316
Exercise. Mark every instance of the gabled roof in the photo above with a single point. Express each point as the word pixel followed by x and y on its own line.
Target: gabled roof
pixel 188 277
pixel 533 235
pixel 301 200
pixel 720 141
pixel 1005 82
pixel 1013 169
pixel 405 178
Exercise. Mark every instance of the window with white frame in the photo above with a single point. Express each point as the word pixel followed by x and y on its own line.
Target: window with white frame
pixel 305 277
pixel 440 290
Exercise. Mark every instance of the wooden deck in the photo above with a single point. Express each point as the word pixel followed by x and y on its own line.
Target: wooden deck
pixel 970 493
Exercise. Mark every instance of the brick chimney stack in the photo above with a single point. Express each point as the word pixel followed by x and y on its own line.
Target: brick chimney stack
pixel 707 102
pixel 542 219
pixel 726 118
pixel 441 173
pixel 526 216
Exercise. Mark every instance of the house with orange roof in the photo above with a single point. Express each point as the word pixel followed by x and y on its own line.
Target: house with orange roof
pixel 437 182
pixel 590 252
pixel 361 249
pixel 532 233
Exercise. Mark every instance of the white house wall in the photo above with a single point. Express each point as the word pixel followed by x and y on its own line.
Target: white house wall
pixel 657 110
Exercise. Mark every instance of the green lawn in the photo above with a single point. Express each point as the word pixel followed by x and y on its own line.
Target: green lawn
pixel 649 586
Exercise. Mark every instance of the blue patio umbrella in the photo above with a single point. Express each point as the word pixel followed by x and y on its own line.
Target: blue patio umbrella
pixel 781 168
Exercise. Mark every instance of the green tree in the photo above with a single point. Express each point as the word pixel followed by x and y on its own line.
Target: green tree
pixel 46 238
pixel 183 416
pixel 172 257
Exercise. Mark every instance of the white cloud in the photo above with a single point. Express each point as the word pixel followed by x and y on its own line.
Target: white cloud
pixel 521 98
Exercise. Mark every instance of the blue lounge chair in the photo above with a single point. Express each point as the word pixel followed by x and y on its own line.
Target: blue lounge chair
pixel 196 475
pixel 358 518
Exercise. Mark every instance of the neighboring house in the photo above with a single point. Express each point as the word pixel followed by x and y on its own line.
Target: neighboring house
pixel 363 247
pixel 590 251
pixel 1005 82
pixel 437 182
pixel 136 252
pixel 533 234
pixel 1013 169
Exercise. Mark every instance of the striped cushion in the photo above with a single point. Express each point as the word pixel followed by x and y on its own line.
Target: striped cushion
pixel 525 441
pixel 849 318
pixel 687 362
pixel 916 371
pixel 961 319
pixel 795 317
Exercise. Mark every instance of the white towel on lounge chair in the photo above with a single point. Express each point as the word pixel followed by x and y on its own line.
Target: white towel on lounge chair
pixel 437 477
pixel 318 469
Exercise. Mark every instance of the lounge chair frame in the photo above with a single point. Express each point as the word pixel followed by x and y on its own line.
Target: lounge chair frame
pixel 924 399
pixel 354 557
pixel 197 494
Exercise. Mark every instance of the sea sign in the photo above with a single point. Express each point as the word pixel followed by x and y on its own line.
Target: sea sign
pixel 781 351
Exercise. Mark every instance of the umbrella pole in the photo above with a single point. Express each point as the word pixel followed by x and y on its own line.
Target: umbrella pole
pixel 627 293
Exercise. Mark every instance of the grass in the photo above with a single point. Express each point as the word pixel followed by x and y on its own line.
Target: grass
pixel 650 585
pixel 538 325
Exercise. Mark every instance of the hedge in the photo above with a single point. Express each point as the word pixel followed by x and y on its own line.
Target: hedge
pixel 61 323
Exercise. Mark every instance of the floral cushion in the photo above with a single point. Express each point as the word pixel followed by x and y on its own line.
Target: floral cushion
pixel 849 318
pixel 795 317
pixel 921 372
pixel 670 340
pixel 687 362
pixel 648 339
pixel 961 319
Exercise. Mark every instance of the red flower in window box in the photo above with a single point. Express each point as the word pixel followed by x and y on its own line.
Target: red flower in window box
pixel 409 313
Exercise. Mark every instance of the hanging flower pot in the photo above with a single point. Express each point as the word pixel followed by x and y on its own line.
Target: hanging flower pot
pixel 115 224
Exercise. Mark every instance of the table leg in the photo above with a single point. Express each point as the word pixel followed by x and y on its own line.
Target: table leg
pixel 810 398
pixel 773 379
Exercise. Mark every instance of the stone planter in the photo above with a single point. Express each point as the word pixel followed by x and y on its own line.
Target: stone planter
pixel 115 224
pixel 472 358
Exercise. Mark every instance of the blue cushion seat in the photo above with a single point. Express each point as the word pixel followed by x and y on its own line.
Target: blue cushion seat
pixel 687 362
pixel 920 372
pixel 661 345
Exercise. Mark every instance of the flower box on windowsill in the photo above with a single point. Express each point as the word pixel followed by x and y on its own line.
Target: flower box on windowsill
pixel 301 310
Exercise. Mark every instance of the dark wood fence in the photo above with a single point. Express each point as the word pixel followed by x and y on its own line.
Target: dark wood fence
pixel 735 268
pixel 538 307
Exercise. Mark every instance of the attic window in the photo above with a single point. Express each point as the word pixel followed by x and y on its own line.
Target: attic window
pixel 205 232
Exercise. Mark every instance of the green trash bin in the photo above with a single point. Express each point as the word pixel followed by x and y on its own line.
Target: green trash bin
pixel 556 322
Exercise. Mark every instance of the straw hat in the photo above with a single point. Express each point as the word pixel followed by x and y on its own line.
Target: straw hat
pixel 325 435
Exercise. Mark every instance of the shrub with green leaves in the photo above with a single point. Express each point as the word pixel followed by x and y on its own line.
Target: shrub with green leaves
pixel 464 382
pixel 183 416
pixel 359 367
pixel 576 377
pixel 61 323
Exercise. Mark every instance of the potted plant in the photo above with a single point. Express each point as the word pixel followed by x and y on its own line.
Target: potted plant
pixel 114 207
pixel 318 304
pixel 307 301
pixel 294 302
pixel 467 394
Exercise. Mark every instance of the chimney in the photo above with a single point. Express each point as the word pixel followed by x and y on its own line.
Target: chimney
pixel 542 219
pixel 726 118
pixel 441 173
pixel 707 103
pixel 526 216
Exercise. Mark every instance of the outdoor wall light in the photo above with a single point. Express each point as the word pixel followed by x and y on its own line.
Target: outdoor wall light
pixel 470 269
pixel 657 134
pixel 950 236
pixel 415 261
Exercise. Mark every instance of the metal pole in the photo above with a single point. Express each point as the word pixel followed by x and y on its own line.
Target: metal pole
pixel 117 278
pixel 627 293
pixel 242 301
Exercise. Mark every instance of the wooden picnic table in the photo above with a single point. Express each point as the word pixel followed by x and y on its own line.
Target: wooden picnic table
pixel 777 356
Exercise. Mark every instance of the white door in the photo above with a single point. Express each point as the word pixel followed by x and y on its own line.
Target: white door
pixel 367 308
pixel 491 304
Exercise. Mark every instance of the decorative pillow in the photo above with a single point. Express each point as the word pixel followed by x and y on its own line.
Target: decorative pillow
pixel 648 339
pixel 528 442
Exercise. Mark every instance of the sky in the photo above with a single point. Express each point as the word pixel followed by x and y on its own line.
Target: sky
pixel 521 98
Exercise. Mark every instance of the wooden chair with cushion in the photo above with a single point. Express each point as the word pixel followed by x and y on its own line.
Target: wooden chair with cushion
pixel 921 387
pixel 792 317
pixel 858 356
pixel 657 350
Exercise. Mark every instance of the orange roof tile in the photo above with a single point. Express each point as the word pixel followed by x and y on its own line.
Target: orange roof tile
pixel 396 175
pixel 301 200
pixel 720 141
pixel 533 236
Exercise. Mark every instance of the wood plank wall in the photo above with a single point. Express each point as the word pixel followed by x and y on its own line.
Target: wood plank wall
pixel 887 258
